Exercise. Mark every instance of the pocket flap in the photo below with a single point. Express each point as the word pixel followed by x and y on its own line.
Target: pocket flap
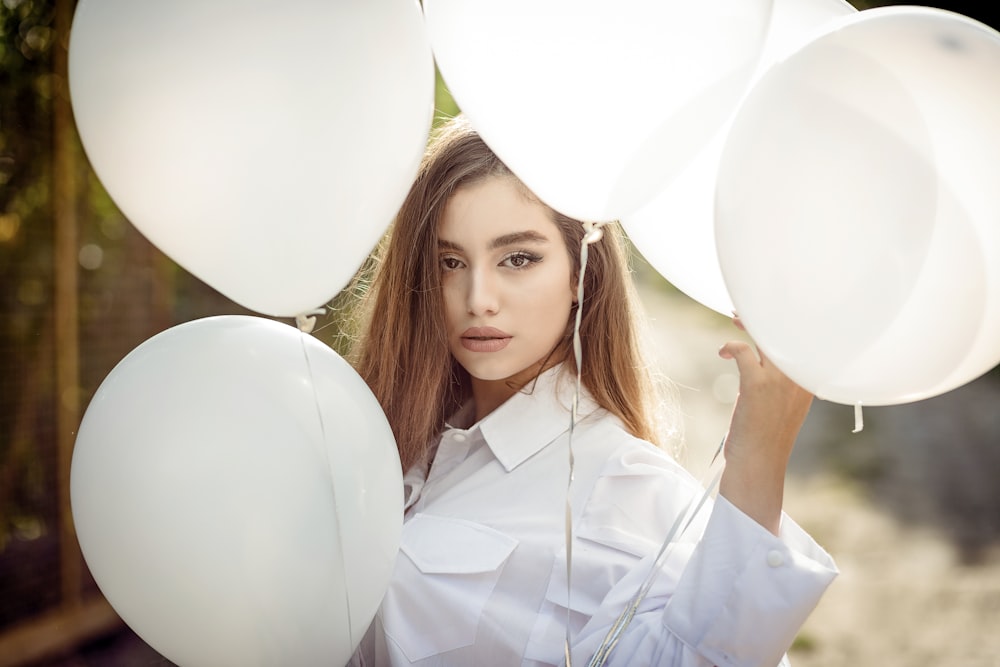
pixel 446 545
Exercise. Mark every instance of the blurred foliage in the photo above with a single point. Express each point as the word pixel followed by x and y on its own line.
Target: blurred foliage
pixel 26 85
pixel 26 271
pixel 444 104
pixel 27 501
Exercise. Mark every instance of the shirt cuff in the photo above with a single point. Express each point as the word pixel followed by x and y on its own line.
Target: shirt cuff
pixel 746 592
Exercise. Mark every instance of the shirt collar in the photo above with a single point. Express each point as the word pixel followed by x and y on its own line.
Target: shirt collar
pixel 534 417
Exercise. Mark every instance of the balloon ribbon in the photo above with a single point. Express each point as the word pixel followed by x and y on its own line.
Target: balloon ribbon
pixel 600 656
pixel 592 234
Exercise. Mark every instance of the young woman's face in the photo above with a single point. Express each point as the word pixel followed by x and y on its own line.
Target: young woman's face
pixel 507 280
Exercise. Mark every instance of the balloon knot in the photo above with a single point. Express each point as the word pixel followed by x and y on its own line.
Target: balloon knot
pixel 307 321
pixel 592 232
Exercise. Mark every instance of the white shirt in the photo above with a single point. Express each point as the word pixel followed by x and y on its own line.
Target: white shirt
pixel 481 578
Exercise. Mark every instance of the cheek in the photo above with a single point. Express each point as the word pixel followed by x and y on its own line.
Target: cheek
pixel 553 303
pixel 452 308
pixel 449 299
pixel 565 294
pixel 557 301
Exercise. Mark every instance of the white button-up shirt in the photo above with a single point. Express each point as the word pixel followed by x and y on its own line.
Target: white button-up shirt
pixel 481 578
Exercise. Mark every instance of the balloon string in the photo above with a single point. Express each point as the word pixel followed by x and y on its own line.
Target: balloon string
pixel 859 420
pixel 593 234
pixel 306 324
pixel 600 657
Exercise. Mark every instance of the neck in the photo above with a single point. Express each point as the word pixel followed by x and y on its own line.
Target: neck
pixel 488 395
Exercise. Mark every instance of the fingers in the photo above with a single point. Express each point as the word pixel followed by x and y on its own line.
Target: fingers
pixel 738 349
pixel 739 325
pixel 742 352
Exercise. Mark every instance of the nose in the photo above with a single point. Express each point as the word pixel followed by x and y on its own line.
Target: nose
pixel 483 296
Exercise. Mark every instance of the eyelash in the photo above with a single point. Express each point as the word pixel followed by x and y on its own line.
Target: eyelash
pixel 445 260
pixel 528 258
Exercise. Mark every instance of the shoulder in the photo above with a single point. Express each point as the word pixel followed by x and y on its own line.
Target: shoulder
pixel 624 453
pixel 628 492
pixel 624 479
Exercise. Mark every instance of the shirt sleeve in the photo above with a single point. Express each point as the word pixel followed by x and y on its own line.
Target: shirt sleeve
pixel 729 592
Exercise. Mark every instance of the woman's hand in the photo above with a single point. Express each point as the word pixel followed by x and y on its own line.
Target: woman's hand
pixel 768 414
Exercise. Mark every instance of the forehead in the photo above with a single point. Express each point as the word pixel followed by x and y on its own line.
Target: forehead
pixel 493 207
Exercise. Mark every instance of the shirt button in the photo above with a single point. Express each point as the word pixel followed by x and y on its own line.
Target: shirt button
pixel 459 437
pixel 775 558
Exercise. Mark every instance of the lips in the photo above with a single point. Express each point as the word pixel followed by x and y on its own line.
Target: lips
pixel 484 339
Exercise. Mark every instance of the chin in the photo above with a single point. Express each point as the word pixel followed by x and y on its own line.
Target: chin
pixel 488 375
pixel 486 371
pixel 500 373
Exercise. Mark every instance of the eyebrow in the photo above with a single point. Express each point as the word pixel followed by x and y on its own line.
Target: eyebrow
pixel 514 238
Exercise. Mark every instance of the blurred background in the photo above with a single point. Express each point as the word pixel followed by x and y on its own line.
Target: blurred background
pixel 910 506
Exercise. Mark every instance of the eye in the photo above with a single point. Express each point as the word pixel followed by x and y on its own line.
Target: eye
pixel 521 259
pixel 450 263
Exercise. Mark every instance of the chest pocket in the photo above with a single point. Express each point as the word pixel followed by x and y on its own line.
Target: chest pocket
pixel 444 576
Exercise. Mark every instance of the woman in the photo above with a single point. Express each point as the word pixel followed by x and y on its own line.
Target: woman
pixel 468 347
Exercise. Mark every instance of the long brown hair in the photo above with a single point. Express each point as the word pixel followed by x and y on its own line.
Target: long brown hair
pixel 402 351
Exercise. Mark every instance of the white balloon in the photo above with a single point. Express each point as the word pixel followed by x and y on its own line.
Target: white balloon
pixel 237 495
pixel 675 231
pixel 264 146
pixel 857 208
pixel 595 104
